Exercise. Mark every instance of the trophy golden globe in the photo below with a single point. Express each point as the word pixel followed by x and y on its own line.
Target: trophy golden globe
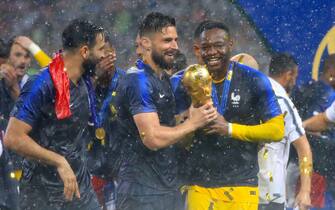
pixel 198 84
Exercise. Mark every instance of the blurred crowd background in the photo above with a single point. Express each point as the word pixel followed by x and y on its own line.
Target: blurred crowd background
pixel 44 20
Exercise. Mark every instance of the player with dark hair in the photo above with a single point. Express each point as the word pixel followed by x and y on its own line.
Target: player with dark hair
pixel 49 124
pixel 284 64
pixel 148 177
pixel 222 161
pixel 273 157
pixel 105 152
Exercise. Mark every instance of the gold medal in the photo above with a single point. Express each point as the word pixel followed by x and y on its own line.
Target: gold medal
pixel 100 133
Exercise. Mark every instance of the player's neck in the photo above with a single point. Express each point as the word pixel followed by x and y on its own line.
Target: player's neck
pixel 19 78
pixel 73 67
pixel 148 60
pixel 281 80
pixel 219 75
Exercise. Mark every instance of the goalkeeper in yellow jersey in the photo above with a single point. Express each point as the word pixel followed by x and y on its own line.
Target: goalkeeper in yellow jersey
pixel 222 160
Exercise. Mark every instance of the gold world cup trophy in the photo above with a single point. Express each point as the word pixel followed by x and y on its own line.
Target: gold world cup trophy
pixel 198 84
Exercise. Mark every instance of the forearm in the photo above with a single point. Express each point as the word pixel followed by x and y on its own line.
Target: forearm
pixel 272 130
pixel 316 123
pixel 162 136
pixel 305 162
pixel 156 136
pixel 41 57
pixel 22 144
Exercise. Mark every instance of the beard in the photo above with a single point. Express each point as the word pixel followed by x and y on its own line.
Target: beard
pixel 160 61
pixel 289 88
pixel 89 66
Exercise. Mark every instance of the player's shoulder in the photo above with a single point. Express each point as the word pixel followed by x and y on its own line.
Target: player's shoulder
pixel 133 71
pixel 40 81
pixel 178 74
pixel 252 77
pixel 248 71
pixel 176 78
pixel 120 71
pixel 136 78
pixel 132 74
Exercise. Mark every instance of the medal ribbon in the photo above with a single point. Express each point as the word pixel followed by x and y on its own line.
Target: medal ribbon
pixel 92 102
pixel 221 107
pixel 105 104
pixel 98 118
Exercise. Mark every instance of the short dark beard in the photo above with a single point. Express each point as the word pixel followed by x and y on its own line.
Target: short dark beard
pixel 159 60
pixel 89 66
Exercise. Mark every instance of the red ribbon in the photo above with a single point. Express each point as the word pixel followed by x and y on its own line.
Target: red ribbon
pixel 61 83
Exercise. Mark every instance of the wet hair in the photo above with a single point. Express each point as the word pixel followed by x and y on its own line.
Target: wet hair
pixel 4 50
pixel 210 24
pixel 10 43
pixel 329 62
pixel 281 63
pixel 199 29
pixel 80 32
pixel 155 22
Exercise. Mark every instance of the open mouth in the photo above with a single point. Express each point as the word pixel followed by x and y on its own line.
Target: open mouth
pixel 21 69
pixel 170 54
pixel 213 61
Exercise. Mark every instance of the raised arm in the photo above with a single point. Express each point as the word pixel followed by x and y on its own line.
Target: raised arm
pixel 41 57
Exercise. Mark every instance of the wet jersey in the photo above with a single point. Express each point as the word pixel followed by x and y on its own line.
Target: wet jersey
pixel 68 137
pixel 105 157
pixel 217 161
pixel 143 91
pixel 312 98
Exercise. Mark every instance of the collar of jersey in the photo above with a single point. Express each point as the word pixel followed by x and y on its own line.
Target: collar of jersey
pixel 141 65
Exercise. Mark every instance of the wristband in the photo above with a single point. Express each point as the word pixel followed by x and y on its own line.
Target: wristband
pixel 230 129
pixel 34 48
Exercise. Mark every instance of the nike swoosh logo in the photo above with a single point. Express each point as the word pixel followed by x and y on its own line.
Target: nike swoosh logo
pixel 161 95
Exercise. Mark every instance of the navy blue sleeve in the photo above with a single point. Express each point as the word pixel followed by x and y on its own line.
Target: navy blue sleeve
pixel 139 94
pixel 34 95
pixel 268 106
pixel 183 100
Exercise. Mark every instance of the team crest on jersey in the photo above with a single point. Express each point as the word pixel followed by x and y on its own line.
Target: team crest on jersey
pixel 235 98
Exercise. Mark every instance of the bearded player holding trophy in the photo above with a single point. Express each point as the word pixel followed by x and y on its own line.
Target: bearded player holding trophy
pixel 148 177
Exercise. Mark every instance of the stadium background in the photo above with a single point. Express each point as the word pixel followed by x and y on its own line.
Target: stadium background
pixel 259 27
